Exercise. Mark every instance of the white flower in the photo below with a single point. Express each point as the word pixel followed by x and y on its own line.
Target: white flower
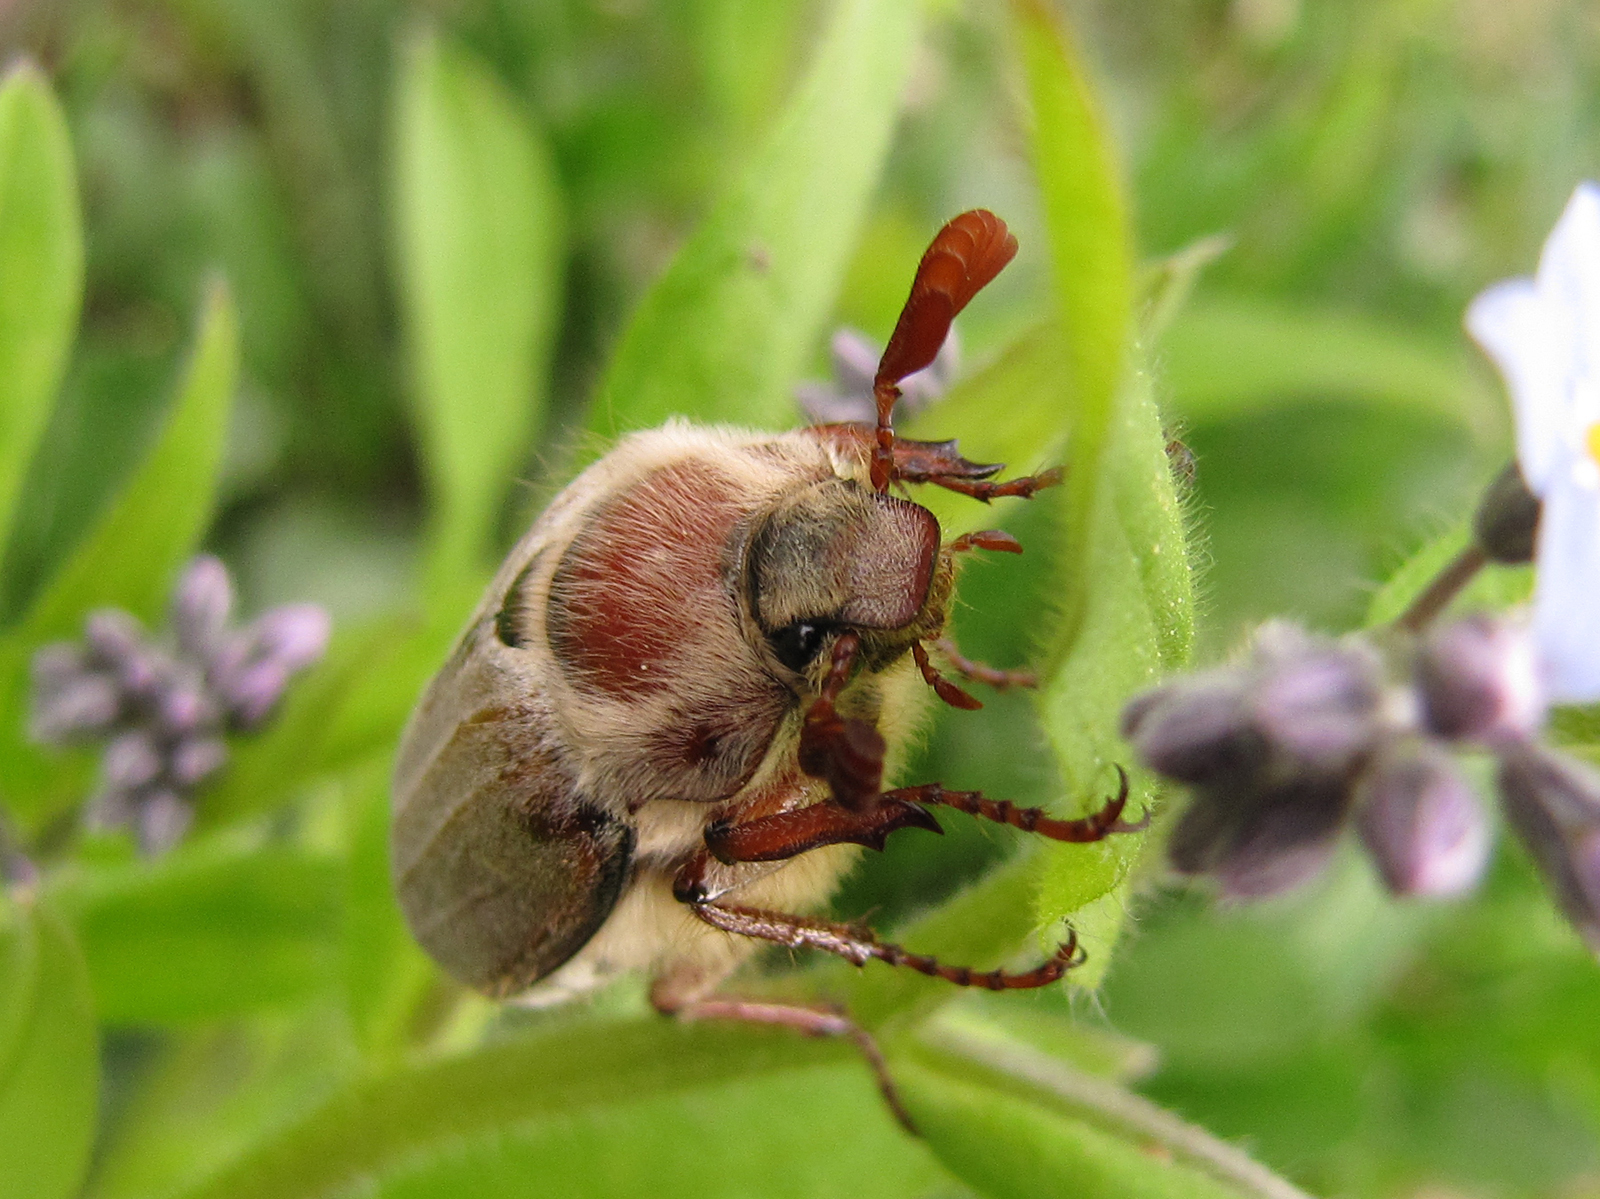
pixel 1544 334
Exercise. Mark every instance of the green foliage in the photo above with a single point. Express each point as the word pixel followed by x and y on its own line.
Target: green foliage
pixel 724 331
pixel 131 557
pixel 41 268
pixel 601 216
pixel 49 1072
pixel 219 927
pixel 480 236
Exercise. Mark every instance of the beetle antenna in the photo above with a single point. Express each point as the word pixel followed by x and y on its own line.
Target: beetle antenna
pixel 963 257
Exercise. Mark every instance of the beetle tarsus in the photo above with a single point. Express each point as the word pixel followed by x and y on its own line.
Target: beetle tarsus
pixel 1000 680
pixel 1022 487
pixel 1095 827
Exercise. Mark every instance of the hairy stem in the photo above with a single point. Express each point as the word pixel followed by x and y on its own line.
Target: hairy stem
pixel 1446 585
pixel 1108 1106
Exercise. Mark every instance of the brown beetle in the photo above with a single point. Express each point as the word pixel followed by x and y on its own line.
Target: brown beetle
pixel 666 728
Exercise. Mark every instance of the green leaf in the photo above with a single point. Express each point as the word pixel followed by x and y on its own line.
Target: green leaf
pixel 480 239
pixel 752 1136
pixel 1125 592
pixel 723 334
pixel 217 927
pixel 208 1095
pixel 132 556
pixel 569 1067
pixel 41 270
pixel 49 1056
pixel 1227 356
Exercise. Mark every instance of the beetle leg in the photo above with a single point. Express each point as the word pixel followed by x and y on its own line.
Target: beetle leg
pixel 943 687
pixel 1023 486
pixel 845 751
pixel 813 1022
pixel 1095 827
pixel 858 946
pixel 998 679
pixel 785 835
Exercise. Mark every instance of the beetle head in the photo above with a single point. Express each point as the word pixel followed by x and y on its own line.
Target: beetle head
pixel 836 556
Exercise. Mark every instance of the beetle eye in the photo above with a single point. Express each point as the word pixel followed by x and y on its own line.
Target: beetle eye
pixel 797 644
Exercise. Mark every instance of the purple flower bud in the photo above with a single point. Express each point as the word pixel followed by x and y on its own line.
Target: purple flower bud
pixel 1479 682
pixel 183 704
pixel 130 761
pixel 193 761
pixel 252 692
pixel 1259 843
pixel 111 808
pixel 161 819
pixel 855 362
pixel 1321 708
pixel 1419 819
pixel 200 606
pixel 113 637
pixel 79 707
pixel 56 665
pixel 1196 730
pixel 294 635
pixel 1553 802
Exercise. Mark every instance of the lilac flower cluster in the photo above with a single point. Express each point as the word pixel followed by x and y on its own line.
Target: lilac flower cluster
pixel 162 706
pixel 1307 735
pixel 855 362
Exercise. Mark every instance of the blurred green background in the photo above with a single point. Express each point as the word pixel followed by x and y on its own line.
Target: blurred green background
pixel 1317 190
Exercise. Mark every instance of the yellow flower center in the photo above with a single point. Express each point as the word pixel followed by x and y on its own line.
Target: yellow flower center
pixel 1591 442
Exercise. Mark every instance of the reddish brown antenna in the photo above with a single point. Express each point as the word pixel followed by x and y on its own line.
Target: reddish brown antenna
pixel 964 256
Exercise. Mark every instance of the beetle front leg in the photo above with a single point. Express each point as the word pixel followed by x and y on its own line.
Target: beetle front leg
pixel 785 835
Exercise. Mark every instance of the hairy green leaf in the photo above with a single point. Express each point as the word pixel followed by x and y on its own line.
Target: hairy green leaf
pixel 480 243
pixel 722 335
pixel 41 270
pixel 1124 607
pixel 49 1055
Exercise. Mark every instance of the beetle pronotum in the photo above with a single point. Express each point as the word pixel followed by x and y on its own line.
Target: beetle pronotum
pixel 665 729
